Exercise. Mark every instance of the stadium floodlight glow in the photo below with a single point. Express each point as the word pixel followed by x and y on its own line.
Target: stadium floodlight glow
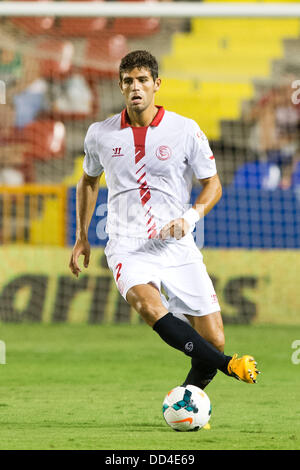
pixel 150 9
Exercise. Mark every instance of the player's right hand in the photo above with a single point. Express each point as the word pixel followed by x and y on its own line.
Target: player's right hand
pixel 81 247
pixel 176 228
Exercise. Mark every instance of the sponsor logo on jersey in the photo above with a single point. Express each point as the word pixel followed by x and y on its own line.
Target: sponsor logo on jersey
pixel 117 152
pixel 163 152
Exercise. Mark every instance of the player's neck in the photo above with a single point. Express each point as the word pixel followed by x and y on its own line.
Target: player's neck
pixel 144 118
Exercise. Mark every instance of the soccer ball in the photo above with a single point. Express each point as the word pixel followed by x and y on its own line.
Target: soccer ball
pixel 186 408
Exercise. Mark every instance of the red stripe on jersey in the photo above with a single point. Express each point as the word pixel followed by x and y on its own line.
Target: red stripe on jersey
pixel 150 220
pixel 145 195
pixel 139 136
pixel 143 184
pixel 141 177
pixel 153 234
pixel 140 169
pixel 152 231
pixel 212 157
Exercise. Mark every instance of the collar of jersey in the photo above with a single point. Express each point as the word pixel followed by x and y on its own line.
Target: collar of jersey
pixel 156 121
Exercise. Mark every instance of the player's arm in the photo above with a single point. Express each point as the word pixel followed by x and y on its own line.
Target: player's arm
pixel 86 198
pixel 209 196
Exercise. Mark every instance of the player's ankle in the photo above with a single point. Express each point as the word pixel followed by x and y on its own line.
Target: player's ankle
pixel 224 369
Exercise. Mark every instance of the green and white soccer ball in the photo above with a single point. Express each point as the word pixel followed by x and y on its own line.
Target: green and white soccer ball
pixel 186 408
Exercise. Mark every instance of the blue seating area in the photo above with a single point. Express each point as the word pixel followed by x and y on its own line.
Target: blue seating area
pixel 253 175
pixel 261 175
pixel 244 218
pixel 253 218
pixel 296 176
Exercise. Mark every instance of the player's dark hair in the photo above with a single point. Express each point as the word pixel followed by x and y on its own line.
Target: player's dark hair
pixel 139 59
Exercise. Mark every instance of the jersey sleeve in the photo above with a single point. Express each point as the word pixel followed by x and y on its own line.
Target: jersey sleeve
pixel 91 163
pixel 199 154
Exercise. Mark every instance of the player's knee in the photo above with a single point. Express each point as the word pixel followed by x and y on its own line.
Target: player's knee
pixel 149 312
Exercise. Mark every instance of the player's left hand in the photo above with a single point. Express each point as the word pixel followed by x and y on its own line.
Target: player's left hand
pixel 176 228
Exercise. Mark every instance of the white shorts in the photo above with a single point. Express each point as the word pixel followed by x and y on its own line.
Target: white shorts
pixel 175 266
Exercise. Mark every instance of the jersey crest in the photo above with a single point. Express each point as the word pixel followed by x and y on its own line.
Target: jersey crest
pixel 163 152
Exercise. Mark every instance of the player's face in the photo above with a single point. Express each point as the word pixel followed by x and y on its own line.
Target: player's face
pixel 138 88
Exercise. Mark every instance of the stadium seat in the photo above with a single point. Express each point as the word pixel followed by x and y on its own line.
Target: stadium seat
pixel 136 27
pixel 222 59
pixel 102 56
pixel 233 67
pixel 245 27
pixel 34 26
pixel 296 176
pixel 68 110
pixel 205 102
pixel 257 175
pixel 80 27
pixel 73 27
pixel 55 57
pixel 46 139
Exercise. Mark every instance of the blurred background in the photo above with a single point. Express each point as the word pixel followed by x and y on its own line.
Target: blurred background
pixel 238 78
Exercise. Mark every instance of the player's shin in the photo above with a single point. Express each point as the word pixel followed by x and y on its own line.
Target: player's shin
pixel 182 336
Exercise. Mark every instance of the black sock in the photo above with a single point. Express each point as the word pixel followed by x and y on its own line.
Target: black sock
pixel 200 374
pixel 180 335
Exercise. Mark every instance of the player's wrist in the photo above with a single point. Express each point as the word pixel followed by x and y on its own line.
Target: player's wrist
pixel 191 216
pixel 81 236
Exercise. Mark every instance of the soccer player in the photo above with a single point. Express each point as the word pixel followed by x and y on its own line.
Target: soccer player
pixel 149 156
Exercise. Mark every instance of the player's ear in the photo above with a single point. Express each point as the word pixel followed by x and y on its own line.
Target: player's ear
pixel 157 84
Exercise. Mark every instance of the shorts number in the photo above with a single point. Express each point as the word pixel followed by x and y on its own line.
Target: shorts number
pixel 118 268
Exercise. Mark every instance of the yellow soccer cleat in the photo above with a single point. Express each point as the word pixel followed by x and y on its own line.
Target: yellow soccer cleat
pixel 207 427
pixel 243 368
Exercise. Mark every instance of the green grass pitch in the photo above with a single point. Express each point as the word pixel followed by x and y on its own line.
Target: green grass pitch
pixel 102 387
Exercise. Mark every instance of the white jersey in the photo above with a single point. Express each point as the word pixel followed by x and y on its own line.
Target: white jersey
pixel 148 170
